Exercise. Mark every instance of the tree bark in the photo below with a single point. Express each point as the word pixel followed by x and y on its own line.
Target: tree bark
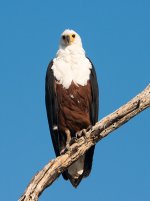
pixel 101 129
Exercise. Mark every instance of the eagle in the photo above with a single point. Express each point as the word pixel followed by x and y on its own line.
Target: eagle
pixel 72 101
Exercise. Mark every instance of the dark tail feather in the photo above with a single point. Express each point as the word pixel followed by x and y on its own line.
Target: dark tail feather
pixel 88 161
pixel 87 168
pixel 74 182
pixel 65 175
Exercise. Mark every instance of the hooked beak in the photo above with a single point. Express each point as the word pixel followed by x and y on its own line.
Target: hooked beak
pixel 68 40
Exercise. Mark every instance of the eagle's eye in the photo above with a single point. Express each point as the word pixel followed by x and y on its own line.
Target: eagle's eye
pixel 73 35
pixel 63 37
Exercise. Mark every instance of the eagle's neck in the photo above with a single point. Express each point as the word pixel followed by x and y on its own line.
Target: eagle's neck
pixel 71 65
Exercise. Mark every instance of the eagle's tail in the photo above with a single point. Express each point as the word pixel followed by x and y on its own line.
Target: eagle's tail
pixel 80 169
pixel 75 182
pixel 75 172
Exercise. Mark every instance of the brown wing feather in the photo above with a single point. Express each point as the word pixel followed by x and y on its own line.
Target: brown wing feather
pixel 94 109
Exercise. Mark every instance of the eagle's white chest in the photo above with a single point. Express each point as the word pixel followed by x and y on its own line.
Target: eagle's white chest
pixel 71 66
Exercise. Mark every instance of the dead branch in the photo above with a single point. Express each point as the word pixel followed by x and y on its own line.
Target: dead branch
pixel 55 167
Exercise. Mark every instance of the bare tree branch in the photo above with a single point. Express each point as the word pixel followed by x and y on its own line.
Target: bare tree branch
pixel 55 167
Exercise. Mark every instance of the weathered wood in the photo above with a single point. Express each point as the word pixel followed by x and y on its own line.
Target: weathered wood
pixel 54 168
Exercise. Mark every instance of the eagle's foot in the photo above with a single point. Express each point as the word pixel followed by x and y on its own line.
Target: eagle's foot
pixel 63 151
pixel 69 141
pixel 88 128
pixel 72 141
pixel 84 134
pixel 68 147
pixel 81 133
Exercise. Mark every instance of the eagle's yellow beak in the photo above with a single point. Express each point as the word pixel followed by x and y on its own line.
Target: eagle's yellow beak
pixel 69 39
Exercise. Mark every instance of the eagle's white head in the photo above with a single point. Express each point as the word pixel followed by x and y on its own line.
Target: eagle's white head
pixel 70 38
pixel 70 64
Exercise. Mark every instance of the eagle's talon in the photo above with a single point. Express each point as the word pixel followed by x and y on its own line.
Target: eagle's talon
pixel 71 149
pixel 81 133
pixel 84 132
pixel 88 128
pixel 78 134
pixel 68 147
pixel 84 135
pixel 63 151
pixel 72 141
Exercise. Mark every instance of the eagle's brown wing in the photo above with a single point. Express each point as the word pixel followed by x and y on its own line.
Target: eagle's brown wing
pixel 51 108
pixel 94 109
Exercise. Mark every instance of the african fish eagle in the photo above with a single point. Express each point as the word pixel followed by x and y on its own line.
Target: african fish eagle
pixel 72 100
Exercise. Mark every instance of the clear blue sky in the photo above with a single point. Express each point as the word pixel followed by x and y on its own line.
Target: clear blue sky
pixel 116 36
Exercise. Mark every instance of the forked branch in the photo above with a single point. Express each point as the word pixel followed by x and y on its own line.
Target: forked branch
pixel 55 167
